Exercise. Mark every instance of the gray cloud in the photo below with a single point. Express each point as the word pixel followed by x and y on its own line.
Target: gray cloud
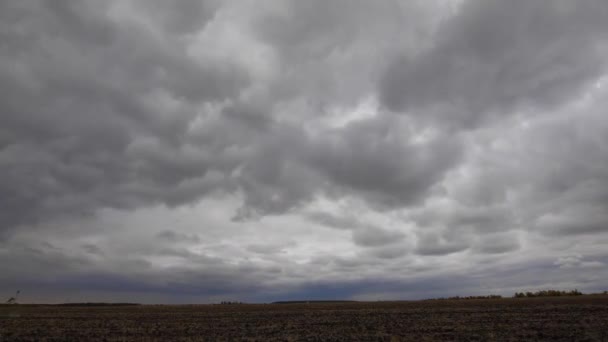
pixel 375 237
pixel 92 249
pixel 381 162
pixel 184 17
pixel 334 51
pixel 283 148
pixel 172 236
pixel 363 233
pixel 478 218
pixel 93 113
pixel 264 249
pixel 334 221
pixel 572 261
pixel 392 251
pixel 496 56
pixel 433 244
pixel 120 124
pixel 497 244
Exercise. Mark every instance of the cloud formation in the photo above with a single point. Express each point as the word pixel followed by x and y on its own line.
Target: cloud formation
pixel 495 57
pixel 231 149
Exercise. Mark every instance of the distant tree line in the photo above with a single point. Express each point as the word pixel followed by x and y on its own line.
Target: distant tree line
pixel 548 293
pixel 230 303
pixel 469 297
pixel 313 301
pixel 96 304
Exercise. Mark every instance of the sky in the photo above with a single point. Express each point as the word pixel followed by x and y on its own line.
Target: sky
pixel 196 151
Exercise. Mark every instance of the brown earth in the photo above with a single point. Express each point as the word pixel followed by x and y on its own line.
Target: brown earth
pixel 583 318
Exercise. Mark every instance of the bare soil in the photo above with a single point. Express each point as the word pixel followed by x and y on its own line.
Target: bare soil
pixel 583 318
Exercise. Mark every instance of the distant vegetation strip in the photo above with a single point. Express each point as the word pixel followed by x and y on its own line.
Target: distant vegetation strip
pixel 313 301
pixel 97 304
pixel 541 293
pixel 549 293
pixel 467 297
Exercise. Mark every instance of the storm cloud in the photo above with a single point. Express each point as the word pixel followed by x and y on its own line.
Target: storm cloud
pixel 207 150
pixel 495 57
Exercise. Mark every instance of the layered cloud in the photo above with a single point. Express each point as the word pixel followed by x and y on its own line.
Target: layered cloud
pixel 496 57
pixel 232 149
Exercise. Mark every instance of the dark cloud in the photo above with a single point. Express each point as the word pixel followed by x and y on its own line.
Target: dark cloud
pixel 334 221
pixel 172 236
pixel 375 237
pixel 364 234
pixel 94 111
pixel 570 192
pixel 374 159
pixel 391 251
pixel 273 179
pixel 562 190
pixel 497 244
pixel 265 249
pixel 214 144
pixel 102 112
pixel 433 244
pixel 496 56
pixel 577 261
pixel 92 249
pixel 332 51
pixel 184 17
pixel 479 218
pixel 382 162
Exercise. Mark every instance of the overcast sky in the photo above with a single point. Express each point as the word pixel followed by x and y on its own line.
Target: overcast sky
pixel 194 151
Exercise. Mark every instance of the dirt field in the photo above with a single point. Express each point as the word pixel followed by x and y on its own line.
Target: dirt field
pixel 536 319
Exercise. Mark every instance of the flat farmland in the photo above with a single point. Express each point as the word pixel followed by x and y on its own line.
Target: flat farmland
pixel 583 318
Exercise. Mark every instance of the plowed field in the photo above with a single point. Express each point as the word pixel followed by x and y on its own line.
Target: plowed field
pixel 582 318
